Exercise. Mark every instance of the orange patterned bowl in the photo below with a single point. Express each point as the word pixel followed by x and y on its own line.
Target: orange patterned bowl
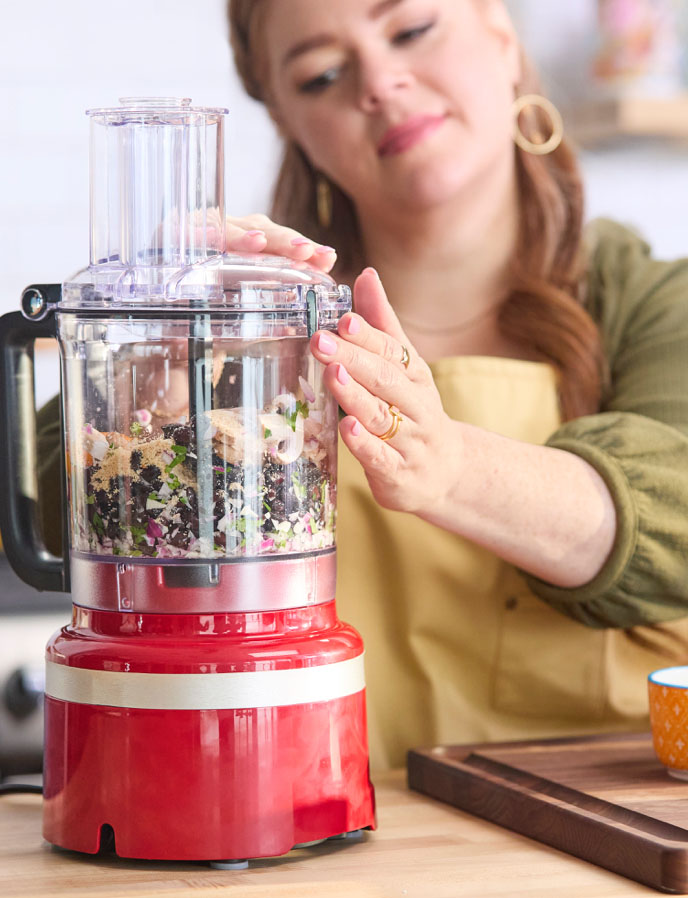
pixel 668 690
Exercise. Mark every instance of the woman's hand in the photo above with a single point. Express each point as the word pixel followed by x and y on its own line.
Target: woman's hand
pixel 544 510
pixel 365 371
pixel 258 234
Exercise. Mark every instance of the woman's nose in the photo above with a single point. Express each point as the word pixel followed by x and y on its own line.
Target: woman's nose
pixel 380 80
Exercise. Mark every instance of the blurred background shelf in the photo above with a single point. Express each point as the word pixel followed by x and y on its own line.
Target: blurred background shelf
pixel 596 121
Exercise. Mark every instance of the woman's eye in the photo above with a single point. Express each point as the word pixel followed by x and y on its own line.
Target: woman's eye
pixel 320 82
pixel 409 35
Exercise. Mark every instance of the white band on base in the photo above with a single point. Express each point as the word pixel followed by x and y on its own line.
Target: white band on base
pixel 244 689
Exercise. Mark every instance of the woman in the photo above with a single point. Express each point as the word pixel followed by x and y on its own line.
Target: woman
pixel 513 504
pixel 523 393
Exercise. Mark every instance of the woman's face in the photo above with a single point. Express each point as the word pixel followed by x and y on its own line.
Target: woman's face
pixel 404 102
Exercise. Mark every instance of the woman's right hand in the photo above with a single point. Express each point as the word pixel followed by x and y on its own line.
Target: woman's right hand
pixel 259 234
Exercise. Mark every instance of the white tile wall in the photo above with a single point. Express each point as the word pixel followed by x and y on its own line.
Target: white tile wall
pixel 643 183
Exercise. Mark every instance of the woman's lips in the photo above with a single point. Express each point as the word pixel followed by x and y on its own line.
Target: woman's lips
pixel 412 131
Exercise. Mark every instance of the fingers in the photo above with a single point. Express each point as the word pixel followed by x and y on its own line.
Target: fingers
pixel 380 460
pixel 370 301
pixel 372 412
pixel 378 376
pixel 257 233
pixel 356 330
pixel 239 239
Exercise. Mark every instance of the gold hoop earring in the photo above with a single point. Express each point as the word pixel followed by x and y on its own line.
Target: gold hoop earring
pixel 323 200
pixel 543 147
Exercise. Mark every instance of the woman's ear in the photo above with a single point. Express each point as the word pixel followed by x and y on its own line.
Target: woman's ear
pixel 499 24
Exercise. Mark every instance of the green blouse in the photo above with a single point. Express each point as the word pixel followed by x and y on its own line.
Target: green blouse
pixel 639 440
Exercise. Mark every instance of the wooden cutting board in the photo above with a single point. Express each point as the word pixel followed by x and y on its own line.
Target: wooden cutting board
pixel 605 799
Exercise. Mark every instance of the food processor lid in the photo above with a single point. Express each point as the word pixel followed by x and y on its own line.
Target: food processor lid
pixel 229 283
pixel 157 230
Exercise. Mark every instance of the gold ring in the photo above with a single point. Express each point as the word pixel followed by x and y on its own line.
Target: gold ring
pixel 405 357
pixel 394 426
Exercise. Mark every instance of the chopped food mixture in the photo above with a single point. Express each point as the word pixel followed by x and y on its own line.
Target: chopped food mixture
pixel 264 484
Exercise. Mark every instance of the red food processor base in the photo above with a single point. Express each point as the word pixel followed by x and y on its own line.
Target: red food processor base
pixel 188 783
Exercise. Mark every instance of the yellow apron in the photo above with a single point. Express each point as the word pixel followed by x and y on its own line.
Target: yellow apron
pixel 458 649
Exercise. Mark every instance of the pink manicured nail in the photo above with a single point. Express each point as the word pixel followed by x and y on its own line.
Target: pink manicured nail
pixel 255 233
pixel 356 428
pixel 325 249
pixel 300 241
pixel 343 375
pixel 353 326
pixel 326 344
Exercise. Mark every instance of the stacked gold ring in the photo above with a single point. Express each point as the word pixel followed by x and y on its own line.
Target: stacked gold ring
pixel 394 426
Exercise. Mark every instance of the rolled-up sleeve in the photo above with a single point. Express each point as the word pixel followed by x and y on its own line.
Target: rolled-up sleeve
pixel 639 441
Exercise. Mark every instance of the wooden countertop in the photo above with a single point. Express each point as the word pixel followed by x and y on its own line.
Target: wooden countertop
pixel 422 848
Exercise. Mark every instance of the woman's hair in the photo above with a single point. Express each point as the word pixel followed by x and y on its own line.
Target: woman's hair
pixel 544 309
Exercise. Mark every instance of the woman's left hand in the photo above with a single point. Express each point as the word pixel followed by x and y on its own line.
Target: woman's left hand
pixel 366 373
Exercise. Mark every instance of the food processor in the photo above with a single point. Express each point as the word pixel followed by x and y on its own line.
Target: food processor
pixel 205 702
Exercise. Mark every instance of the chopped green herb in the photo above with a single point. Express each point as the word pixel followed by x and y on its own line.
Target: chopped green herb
pixel 267 433
pixel 173 481
pixel 116 550
pixel 98 525
pixel 137 533
pixel 136 429
pixel 184 501
pixel 90 499
pixel 298 487
pixel 179 457
pixel 301 409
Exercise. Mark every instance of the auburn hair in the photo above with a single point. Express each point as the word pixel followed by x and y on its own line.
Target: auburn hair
pixel 545 307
